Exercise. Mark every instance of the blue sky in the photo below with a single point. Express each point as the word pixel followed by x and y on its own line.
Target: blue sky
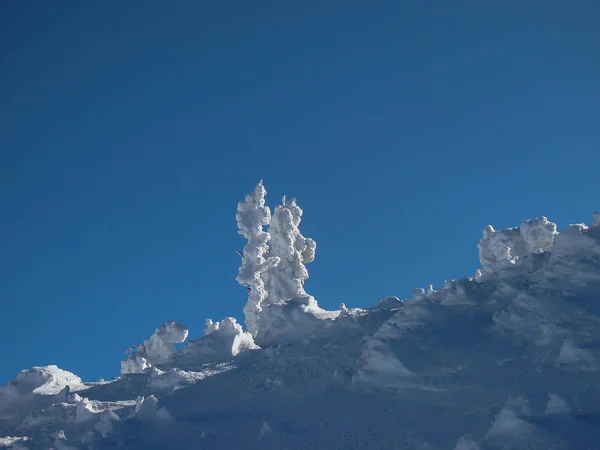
pixel 131 130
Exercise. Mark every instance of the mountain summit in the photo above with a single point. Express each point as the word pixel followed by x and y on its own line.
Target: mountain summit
pixel 506 359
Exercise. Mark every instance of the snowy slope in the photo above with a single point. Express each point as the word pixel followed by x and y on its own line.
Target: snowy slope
pixel 508 358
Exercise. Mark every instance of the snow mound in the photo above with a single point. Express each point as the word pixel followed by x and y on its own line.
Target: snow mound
pixel 293 320
pixel 155 350
pixel 497 248
pixel 221 342
pixel 32 391
pixel 46 380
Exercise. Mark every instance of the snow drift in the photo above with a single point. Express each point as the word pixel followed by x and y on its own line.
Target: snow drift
pixel 508 358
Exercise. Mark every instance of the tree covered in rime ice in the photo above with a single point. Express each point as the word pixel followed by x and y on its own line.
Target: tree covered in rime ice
pixel 273 263
pixel 252 215
pixel 286 281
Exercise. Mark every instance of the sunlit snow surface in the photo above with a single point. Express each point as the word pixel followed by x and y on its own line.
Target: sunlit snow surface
pixel 508 359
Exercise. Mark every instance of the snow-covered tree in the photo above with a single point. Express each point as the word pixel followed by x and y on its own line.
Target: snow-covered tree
pixel 252 215
pixel 286 281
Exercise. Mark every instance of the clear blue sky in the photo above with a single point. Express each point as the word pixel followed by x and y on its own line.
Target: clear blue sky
pixel 130 130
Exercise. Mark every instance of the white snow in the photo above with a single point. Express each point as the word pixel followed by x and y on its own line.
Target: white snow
pixel 135 364
pixel 278 307
pixel 390 302
pixel 157 349
pixel 221 341
pixel 252 215
pixel 294 320
pixel 173 378
pixel 507 246
pixel 538 234
pixel 46 380
pixel 507 359
pixel 286 281
pixel 147 410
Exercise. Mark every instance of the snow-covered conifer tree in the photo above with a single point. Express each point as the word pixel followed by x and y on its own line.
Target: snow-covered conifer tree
pixel 286 281
pixel 252 215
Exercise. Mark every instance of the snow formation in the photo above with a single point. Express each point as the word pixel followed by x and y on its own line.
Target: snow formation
pixel 286 280
pixel 507 246
pixel 507 359
pixel 157 349
pixel 251 216
pixel 278 307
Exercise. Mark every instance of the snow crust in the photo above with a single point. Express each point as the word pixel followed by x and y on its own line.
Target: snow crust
pixel 508 358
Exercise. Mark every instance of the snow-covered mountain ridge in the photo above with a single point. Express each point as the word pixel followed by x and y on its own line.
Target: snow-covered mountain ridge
pixel 507 358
